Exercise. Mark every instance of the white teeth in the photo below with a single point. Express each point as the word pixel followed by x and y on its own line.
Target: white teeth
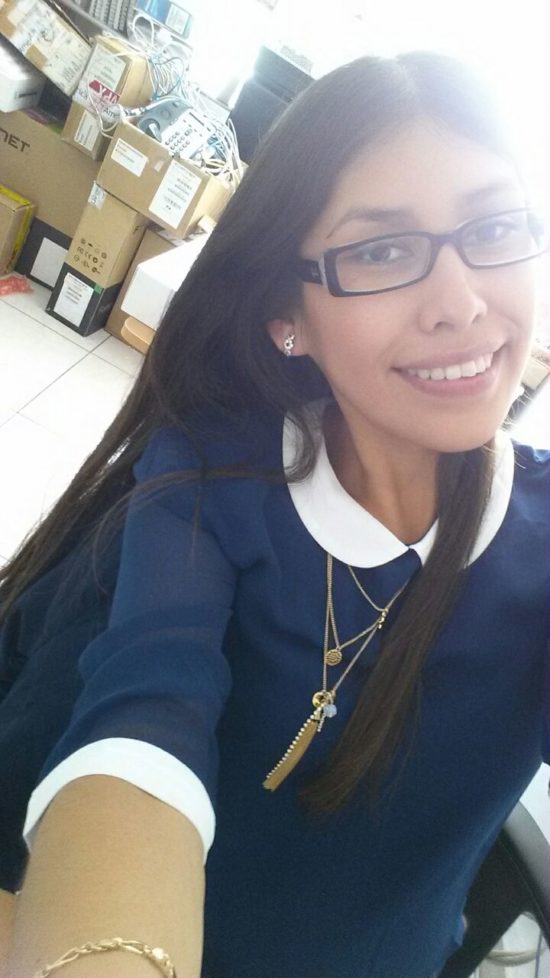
pixel 456 370
pixel 453 373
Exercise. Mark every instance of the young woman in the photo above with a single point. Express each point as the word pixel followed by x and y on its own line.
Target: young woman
pixel 272 668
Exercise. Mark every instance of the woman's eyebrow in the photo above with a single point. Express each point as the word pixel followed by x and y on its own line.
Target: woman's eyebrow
pixel 399 215
pixel 503 186
pixel 391 215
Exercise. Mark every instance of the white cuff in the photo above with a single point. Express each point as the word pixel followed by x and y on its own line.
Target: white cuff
pixel 148 767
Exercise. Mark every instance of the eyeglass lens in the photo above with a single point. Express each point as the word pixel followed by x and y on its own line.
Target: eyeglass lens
pixel 399 259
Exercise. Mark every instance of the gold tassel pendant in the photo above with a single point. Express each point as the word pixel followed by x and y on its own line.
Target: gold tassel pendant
pixel 294 753
pixel 323 701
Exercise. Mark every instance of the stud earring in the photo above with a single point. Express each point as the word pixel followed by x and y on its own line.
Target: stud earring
pixel 289 344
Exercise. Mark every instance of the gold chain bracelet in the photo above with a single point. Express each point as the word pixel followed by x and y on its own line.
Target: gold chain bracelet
pixel 155 954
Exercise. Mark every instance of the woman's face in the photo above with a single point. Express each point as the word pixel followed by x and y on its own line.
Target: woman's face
pixel 366 344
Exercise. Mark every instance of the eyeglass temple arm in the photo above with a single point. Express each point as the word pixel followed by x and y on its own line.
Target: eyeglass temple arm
pixel 308 270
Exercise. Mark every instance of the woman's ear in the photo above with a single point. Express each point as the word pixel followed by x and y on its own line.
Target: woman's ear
pixel 286 329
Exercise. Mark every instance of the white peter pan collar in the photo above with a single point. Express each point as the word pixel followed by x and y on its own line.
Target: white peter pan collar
pixel 351 534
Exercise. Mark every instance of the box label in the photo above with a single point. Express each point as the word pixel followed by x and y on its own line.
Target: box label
pixel 65 64
pixel 48 262
pixel 73 299
pixel 101 82
pixel 90 256
pixel 20 11
pixel 105 102
pixel 49 30
pixel 103 67
pixel 37 27
pixel 176 191
pixel 103 93
pixel 128 157
pixel 97 196
pixel 87 131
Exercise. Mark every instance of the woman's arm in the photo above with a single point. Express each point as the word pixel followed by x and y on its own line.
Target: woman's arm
pixel 110 860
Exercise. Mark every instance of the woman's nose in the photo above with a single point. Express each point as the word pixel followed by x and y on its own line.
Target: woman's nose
pixel 453 293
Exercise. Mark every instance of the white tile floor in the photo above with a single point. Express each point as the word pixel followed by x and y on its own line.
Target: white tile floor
pixel 59 392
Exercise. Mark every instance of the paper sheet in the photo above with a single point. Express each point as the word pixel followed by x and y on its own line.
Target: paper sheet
pixel 73 299
pixel 175 193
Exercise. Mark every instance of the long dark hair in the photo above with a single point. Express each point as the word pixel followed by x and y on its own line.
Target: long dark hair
pixel 212 353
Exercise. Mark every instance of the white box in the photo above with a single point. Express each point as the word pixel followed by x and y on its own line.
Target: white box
pixel 20 84
pixel 156 280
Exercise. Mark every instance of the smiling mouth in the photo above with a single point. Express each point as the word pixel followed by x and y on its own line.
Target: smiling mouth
pixel 457 371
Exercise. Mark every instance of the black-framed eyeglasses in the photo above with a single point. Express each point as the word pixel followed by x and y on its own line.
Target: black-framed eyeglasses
pixel 393 261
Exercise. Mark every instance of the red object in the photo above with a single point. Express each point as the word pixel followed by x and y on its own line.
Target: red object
pixel 14 283
pixel 105 94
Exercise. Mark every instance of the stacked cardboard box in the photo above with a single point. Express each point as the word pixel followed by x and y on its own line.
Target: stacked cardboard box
pixel 155 242
pixel 90 220
pixel 156 274
pixel 99 256
pixel 172 192
pixel 116 75
pixel 47 39
pixel 36 163
pixel 157 279
pixel 139 183
pixel 16 213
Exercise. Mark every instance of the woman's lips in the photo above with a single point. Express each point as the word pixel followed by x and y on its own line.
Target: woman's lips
pixel 455 356
pixel 463 386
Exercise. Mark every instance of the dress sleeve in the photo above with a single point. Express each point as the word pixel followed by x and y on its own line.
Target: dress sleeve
pixel 156 680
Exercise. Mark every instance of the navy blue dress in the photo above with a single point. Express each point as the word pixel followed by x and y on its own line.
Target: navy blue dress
pixel 193 669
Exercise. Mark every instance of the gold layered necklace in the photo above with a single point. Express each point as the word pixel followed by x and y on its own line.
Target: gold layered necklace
pixel 324 699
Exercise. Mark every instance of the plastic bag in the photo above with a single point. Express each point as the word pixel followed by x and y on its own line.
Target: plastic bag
pixel 14 283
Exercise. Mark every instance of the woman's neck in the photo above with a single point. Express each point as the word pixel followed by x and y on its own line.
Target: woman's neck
pixel 397 484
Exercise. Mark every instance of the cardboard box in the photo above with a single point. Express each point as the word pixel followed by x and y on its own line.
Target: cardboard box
pixel 137 334
pixel 116 74
pixel 98 258
pixel 16 214
pixel 155 242
pixel 173 193
pixel 36 162
pixel 156 281
pixel 47 39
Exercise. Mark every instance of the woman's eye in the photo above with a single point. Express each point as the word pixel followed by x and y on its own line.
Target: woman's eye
pixel 380 253
pixel 493 231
